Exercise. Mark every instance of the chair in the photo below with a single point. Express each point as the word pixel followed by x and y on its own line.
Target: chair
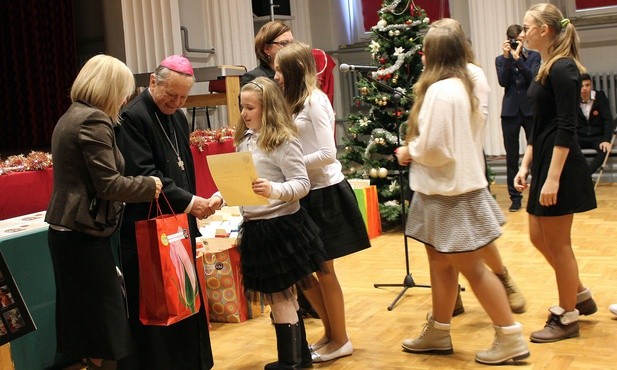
pixel 608 154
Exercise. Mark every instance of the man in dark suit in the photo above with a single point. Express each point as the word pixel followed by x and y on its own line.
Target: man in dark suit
pixel 516 69
pixel 154 139
pixel 595 124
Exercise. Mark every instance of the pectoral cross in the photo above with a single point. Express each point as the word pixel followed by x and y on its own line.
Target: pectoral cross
pixel 180 163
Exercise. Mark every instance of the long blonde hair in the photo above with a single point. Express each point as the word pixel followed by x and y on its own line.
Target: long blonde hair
pixel 104 82
pixel 443 59
pixel 297 65
pixel 277 125
pixel 565 38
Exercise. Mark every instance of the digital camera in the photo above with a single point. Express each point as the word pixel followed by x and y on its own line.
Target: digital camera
pixel 513 43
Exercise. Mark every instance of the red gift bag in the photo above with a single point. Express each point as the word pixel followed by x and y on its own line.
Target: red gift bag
pixel 168 283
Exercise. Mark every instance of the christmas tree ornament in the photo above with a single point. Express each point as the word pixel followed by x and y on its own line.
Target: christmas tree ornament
pixel 395 46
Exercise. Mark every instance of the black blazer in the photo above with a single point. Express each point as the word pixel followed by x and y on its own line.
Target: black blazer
pixel 515 77
pixel 89 189
pixel 600 122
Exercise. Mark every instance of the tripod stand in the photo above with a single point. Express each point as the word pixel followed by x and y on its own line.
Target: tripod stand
pixel 408 281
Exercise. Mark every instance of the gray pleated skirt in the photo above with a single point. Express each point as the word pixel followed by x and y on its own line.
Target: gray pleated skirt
pixel 454 224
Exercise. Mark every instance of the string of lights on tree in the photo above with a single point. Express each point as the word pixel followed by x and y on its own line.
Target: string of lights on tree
pixel 372 137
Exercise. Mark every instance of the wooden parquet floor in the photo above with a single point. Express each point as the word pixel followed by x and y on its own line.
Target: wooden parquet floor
pixel 376 333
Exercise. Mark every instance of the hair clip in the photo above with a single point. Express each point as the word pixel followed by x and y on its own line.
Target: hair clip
pixel 564 22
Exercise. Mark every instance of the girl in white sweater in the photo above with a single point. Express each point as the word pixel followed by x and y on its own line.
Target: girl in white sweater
pixel 452 211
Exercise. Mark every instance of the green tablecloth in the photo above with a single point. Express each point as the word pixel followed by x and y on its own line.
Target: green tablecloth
pixel 23 242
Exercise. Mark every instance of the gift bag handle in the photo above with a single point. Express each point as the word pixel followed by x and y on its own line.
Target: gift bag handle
pixel 159 212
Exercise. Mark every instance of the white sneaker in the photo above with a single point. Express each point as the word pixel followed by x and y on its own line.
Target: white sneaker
pixel 613 309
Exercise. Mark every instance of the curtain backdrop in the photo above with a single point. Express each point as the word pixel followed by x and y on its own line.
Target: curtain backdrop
pixel 39 64
pixel 151 32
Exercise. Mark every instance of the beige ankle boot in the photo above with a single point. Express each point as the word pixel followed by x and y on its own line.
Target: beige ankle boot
pixel 508 344
pixel 559 326
pixel 515 297
pixel 585 303
pixel 435 338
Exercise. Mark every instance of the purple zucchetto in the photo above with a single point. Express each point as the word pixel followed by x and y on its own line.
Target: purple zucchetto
pixel 178 63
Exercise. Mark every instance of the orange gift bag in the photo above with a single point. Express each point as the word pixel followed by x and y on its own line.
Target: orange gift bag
pixel 168 283
pixel 369 208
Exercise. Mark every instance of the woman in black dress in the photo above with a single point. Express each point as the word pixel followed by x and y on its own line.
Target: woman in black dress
pixel 560 181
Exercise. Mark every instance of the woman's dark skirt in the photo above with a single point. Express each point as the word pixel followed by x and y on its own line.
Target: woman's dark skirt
pixel 335 210
pixel 91 316
pixel 279 252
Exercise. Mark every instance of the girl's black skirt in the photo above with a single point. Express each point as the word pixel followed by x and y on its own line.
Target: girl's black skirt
pixel 335 210
pixel 279 252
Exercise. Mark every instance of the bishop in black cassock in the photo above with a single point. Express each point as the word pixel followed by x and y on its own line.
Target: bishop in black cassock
pixel 157 144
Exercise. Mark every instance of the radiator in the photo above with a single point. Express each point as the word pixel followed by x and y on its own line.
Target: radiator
pixel 607 82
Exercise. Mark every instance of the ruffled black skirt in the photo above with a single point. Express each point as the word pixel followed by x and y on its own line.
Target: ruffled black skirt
pixel 279 252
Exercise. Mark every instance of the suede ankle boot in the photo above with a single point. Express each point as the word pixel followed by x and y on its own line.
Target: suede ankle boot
pixel 305 352
pixel 515 298
pixel 508 344
pixel 287 346
pixel 435 338
pixel 585 303
pixel 559 326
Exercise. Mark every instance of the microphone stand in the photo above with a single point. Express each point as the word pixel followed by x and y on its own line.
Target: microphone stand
pixel 408 281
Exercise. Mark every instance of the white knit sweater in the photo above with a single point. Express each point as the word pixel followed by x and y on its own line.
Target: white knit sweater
pixel 447 157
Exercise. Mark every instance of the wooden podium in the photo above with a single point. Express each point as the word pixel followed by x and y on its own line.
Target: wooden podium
pixel 231 75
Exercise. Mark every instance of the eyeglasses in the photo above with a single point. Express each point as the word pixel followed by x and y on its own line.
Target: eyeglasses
pixel 281 43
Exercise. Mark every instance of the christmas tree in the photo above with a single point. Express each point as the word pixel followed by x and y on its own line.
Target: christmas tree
pixel 377 127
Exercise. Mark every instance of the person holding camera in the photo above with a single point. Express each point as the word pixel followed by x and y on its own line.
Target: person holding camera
pixel 516 68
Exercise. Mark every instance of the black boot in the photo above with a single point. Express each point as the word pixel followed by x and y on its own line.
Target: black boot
pixel 305 352
pixel 287 346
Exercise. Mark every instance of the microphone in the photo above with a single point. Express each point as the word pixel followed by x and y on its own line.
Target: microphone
pixel 353 68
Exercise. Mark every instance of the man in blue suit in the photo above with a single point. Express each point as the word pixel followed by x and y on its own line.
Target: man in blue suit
pixel 595 122
pixel 516 69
